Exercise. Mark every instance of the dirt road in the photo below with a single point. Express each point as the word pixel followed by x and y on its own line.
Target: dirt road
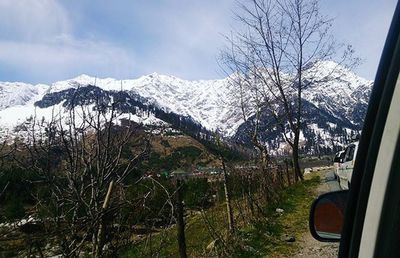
pixel 312 248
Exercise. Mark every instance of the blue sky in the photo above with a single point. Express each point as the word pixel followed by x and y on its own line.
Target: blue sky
pixel 42 41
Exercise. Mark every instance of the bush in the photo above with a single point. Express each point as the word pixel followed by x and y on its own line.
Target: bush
pixel 197 193
pixel 14 209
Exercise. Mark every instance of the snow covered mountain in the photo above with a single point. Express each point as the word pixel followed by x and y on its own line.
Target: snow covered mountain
pixel 337 105
pixel 334 105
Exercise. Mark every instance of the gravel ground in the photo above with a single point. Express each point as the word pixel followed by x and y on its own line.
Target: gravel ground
pixel 312 248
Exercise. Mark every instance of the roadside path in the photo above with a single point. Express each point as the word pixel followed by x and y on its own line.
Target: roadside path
pixel 312 248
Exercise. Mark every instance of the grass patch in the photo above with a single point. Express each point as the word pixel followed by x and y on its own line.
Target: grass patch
pixel 270 239
pixel 263 239
pixel 197 237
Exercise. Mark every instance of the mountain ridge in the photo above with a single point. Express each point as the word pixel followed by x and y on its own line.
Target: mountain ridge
pixel 208 102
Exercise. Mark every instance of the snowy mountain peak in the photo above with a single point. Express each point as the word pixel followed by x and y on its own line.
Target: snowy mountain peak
pixel 18 93
pixel 84 77
pixel 208 102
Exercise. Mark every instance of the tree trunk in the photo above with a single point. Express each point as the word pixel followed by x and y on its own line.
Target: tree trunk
pixel 180 223
pixel 287 172
pixel 228 198
pixel 248 195
pixel 280 173
pixel 100 233
pixel 296 164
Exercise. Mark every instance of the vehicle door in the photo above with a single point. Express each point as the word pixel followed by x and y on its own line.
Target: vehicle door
pixel 336 162
pixel 339 163
pixel 347 166
pixel 350 167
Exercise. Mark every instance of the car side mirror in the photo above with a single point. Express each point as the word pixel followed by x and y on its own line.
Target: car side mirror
pixel 327 216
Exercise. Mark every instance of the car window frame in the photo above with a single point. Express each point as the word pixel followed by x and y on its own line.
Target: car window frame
pixel 342 155
pixel 350 149
pixel 337 157
pixel 381 176
pixel 389 226
pixel 370 141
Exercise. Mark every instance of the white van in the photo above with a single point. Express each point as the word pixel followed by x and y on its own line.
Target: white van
pixel 345 169
pixel 337 162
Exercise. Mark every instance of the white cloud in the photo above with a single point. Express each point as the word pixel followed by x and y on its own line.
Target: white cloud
pixel 179 38
pixel 188 37
pixel 37 41
pixel 64 58
pixel 48 40
pixel 32 20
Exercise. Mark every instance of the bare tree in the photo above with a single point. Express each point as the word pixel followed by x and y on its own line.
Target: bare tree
pixel 280 41
pixel 85 157
pixel 246 95
pixel 227 190
pixel 5 152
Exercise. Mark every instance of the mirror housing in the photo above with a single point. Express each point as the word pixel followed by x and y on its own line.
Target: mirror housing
pixel 327 216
